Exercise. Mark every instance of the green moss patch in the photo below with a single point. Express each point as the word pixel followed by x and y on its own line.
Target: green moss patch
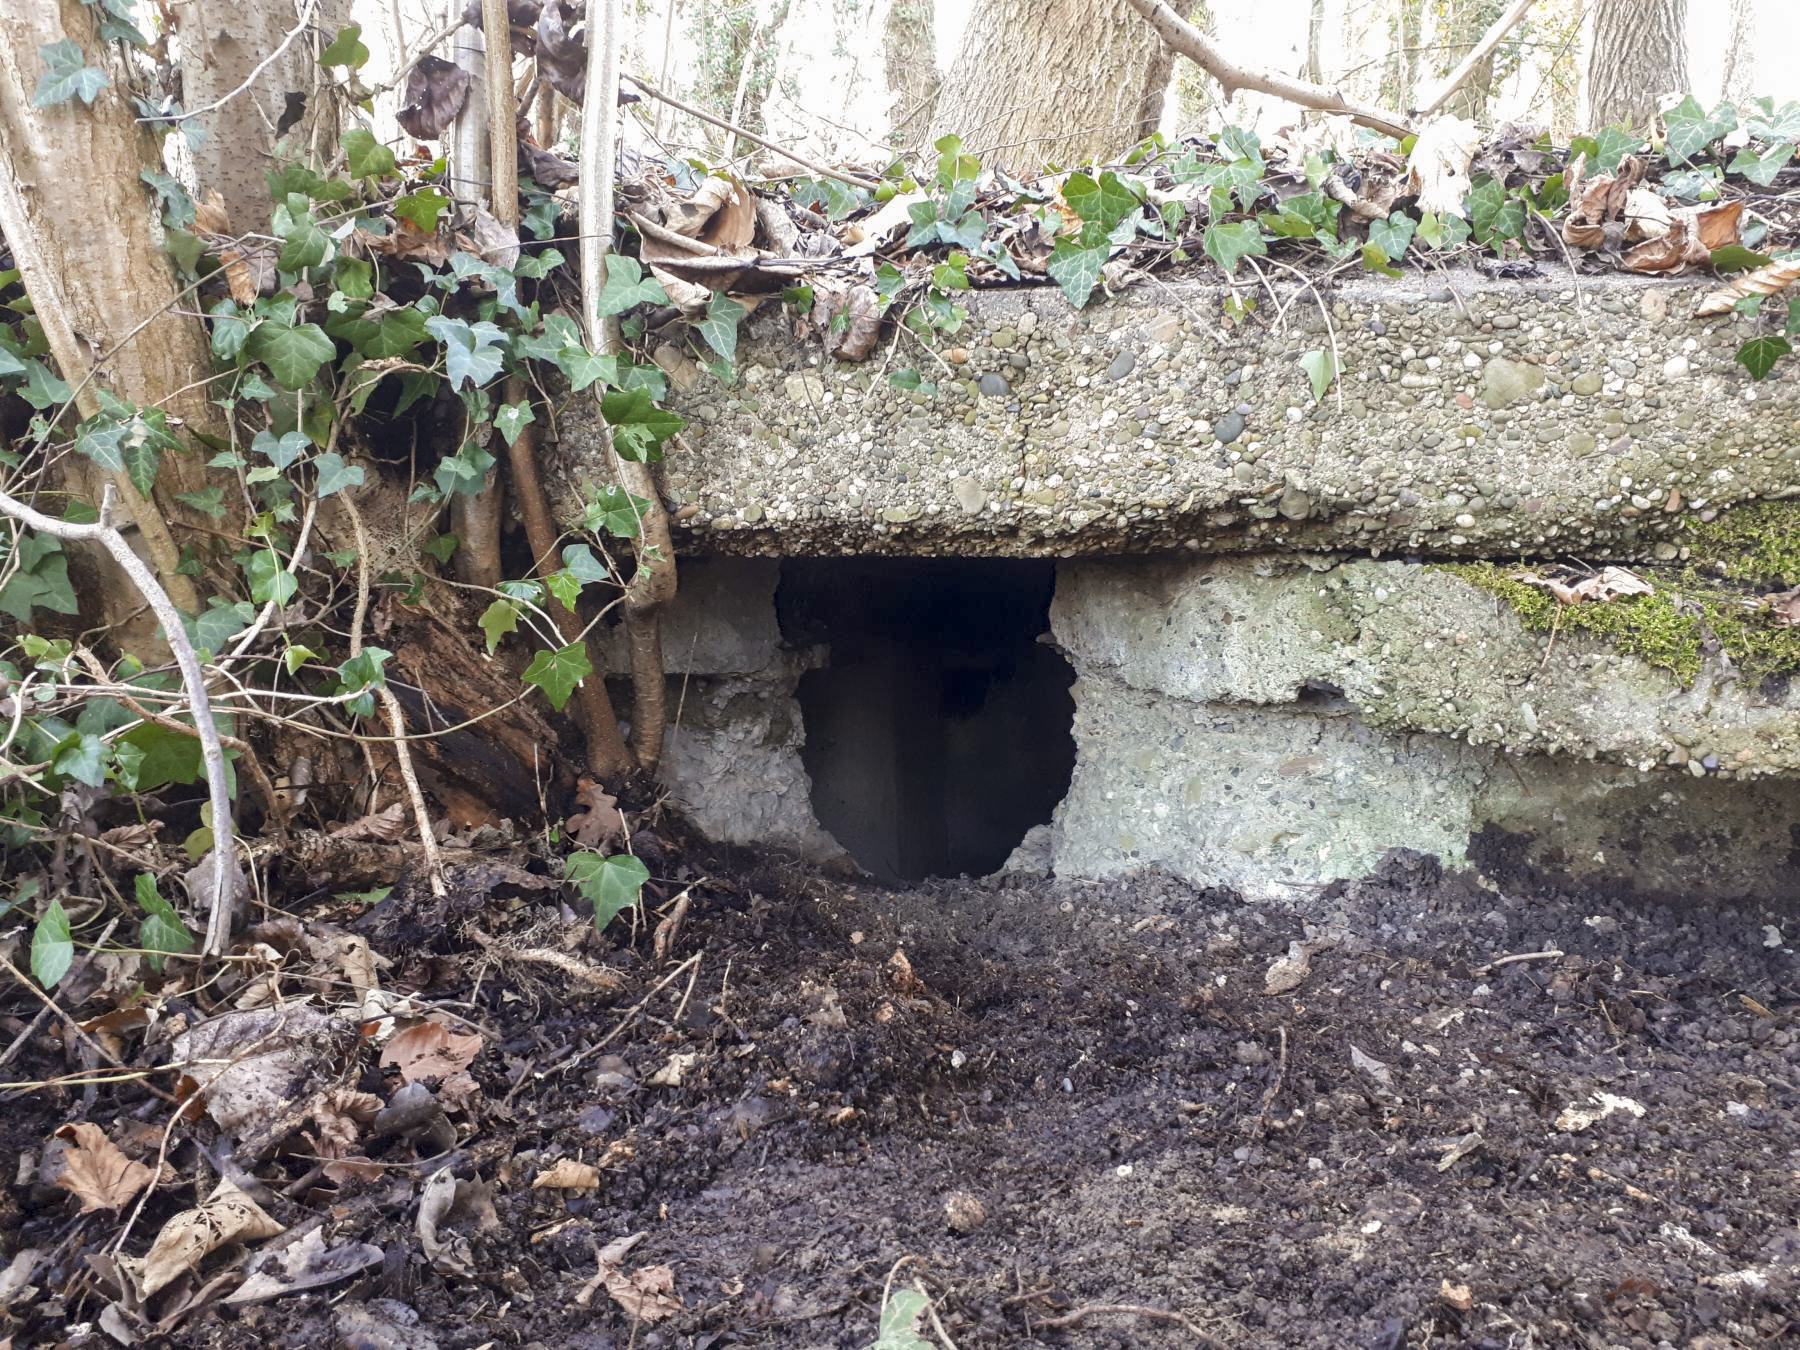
pixel 1673 628
pixel 1758 544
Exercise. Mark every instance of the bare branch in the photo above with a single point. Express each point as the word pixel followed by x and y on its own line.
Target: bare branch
pixel 227 880
pixel 1190 42
pixel 1477 54
pixel 750 136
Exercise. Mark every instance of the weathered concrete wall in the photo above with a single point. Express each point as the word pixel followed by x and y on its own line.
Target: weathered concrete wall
pixel 1474 418
pixel 1268 721
pixel 1288 715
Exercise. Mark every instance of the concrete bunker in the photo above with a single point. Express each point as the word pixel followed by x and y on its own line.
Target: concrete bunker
pixel 938 729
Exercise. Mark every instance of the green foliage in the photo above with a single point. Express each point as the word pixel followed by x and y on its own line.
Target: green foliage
pixel 162 932
pixel 346 49
pixel 558 672
pixel 52 946
pixel 611 885
pixel 67 75
pixel 899 1327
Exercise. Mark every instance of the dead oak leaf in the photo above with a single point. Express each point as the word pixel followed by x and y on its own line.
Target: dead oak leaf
pixel 95 1172
pixel 599 823
pixel 430 1051
pixel 567 1174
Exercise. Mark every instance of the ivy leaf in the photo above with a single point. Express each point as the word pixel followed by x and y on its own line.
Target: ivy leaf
pixel 1759 355
pixel 565 586
pixel 1075 264
pixel 269 580
pixel 162 930
pixel 626 285
pixel 66 75
pixel 513 418
pixel 52 946
pixel 143 457
pixel 899 1327
pixel 720 326
pixel 465 473
pixel 366 156
pixel 304 244
pixel 209 501
pixel 1392 235
pixel 1691 128
pixel 346 49
pixel 558 672
pixel 282 450
pixel 497 620
pixel 177 207
pixel 218 624
pixel 1737 258
pixel 1607 149
pixel 42 390
pixel 1229 244
pixel 355 279
pixel 639 427
pixel 1321 368
pixel 472 351
pixel 81 757
pixel 335 475
pixel 1374 260
pixel 611 885
pixel 229 331
pixel 616 512
pixel 112 22
pixel 579 561
pixel 1107 201
pixel 1761 169
pixel 583 367
pixel 292 352
pixel 422 208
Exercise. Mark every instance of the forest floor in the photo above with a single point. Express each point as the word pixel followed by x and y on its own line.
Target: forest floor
pixel 1074 1109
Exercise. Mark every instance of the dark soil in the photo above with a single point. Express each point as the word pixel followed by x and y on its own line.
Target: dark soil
pixel 1095 1078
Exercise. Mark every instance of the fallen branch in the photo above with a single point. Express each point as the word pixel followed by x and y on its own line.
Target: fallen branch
pixel 1477 54
pixel 227 881
pixel 1190 42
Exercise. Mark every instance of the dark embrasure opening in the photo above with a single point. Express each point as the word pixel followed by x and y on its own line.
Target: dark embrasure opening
pixel 940 730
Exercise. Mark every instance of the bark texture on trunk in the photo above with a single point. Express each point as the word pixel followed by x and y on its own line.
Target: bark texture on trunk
pixel 220 43
pixel 87 239
pixel 909 66
pixel 1061 81
pixel 1738 86
pixel 1637 53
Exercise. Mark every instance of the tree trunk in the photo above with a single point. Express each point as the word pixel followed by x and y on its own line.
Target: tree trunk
pixel 1315 41
pixel 1738 86
pixel 909 64
pixel 1061 81
pixel 220 43
pixel 1636 54
pixel 87 240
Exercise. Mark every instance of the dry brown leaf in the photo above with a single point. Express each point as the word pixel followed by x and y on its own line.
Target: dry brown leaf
pixel 1599 203
pixel 435 92
pixel 306 1264
pixel 406 242
pixel 1675 251
pixel 185 1240
pixel 345 1170
pixel 566 1174
pixel 598 823
pixel 671 1073
pixel 341 1115
pixel 858 336
pixel 1458 1296
pixel 1770 280
pixel 648 1293
pixel 731 220
pixel 250 1065
pixel 1608 583
pixel 95 1172
pixel 429 1051
pixel 1784 608
pixel 1288 972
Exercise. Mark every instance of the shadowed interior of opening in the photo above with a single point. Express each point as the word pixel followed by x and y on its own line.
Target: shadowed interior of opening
pixel 940 729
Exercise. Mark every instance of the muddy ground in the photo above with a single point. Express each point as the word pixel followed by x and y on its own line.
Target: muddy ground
pixel 1064 1097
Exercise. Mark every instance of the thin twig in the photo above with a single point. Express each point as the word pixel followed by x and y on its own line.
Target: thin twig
pixel 1081 1314
pixel 1548 954
pixel 688 108
pixel 1477 54
pixel 306 14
